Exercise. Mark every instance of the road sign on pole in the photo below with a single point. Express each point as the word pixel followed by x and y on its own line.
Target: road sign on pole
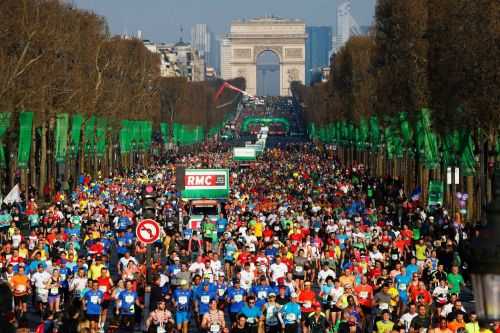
pixel 147 231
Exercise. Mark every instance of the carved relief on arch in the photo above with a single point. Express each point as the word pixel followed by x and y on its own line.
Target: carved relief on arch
pixel 241 72
pixel 257 50
pixel 293 75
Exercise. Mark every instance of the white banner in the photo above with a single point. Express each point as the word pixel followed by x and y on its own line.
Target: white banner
pixel 13 196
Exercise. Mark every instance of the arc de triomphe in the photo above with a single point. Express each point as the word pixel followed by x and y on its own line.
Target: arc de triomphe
pixel 248 39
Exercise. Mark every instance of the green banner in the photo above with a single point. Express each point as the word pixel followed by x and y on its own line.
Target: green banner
pixel 436 190
pixel 25 128
pixel 374 132
pixel 364 133
pixel 61 136
pixel 147 135
pixel 100 133
pixel 406 131
pixel 187 135
pixel 90 135
pixel 76 134
pixel 467 159
pixel 125 137
pixel 4 126
pixel 427 140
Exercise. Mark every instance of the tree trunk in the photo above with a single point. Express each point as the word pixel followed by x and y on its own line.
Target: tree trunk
pixel 43 158
pixel 33 154
pixel 52 173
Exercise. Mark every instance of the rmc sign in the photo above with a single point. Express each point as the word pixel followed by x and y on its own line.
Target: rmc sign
pixel 206 183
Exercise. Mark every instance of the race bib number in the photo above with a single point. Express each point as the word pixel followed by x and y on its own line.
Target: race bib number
pixel 402 286
pixel 299 269
pixel 262 294
pixel 183 300
pixel 215 328
pixel 160 329
pixel 394 257
pixel 205 299
pixel 291 317
pixel 383 306
pixel 21 288
pixel 238 298
pixel 363 294
pixel 129 299
pixel 251 320
pixel 103 289
pixel 221 292
pixel 307 305
pixel 54 290
pixel 94 299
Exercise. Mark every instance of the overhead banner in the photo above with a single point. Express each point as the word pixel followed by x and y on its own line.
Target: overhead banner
pixel 436 189
pixel 206 184
pixel 244 154
pixel 62 124
pixel 25 127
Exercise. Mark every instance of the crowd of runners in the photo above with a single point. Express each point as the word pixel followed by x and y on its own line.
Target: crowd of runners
pixel 304 244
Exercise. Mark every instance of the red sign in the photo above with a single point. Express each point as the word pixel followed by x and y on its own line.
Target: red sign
pixel 147 231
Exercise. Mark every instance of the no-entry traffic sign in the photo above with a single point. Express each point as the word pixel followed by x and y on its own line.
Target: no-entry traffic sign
pixel 147 231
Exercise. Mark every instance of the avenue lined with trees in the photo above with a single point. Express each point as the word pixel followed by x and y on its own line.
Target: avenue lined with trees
pixel 75 100
pixel 418 95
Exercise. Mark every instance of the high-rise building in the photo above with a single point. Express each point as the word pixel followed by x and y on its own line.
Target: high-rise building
pixel 318 47
pixel 226 57
pixel 214 60
pixel 346 25
pixel 200 40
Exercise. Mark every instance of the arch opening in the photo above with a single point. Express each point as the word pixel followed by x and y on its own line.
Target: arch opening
pixel 268 74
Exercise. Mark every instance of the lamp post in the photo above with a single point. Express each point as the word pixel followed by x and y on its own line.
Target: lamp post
pixel 485 268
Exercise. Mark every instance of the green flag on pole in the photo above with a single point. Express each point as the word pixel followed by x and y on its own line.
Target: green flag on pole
pixel 125 137
pixel 100 133
pixel 76 134
pixel 147 134
pixel 25 128
pixel 90 135
pixel 428 140
pixel 436 190
pixel 61 136
pixel 467 158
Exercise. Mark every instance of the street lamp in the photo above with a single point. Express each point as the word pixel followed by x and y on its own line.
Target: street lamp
pixel 485 268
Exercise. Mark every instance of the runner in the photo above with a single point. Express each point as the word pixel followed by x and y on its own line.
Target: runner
pixel 92 304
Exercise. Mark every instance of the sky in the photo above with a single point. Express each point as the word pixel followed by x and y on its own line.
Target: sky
pixel 161 20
